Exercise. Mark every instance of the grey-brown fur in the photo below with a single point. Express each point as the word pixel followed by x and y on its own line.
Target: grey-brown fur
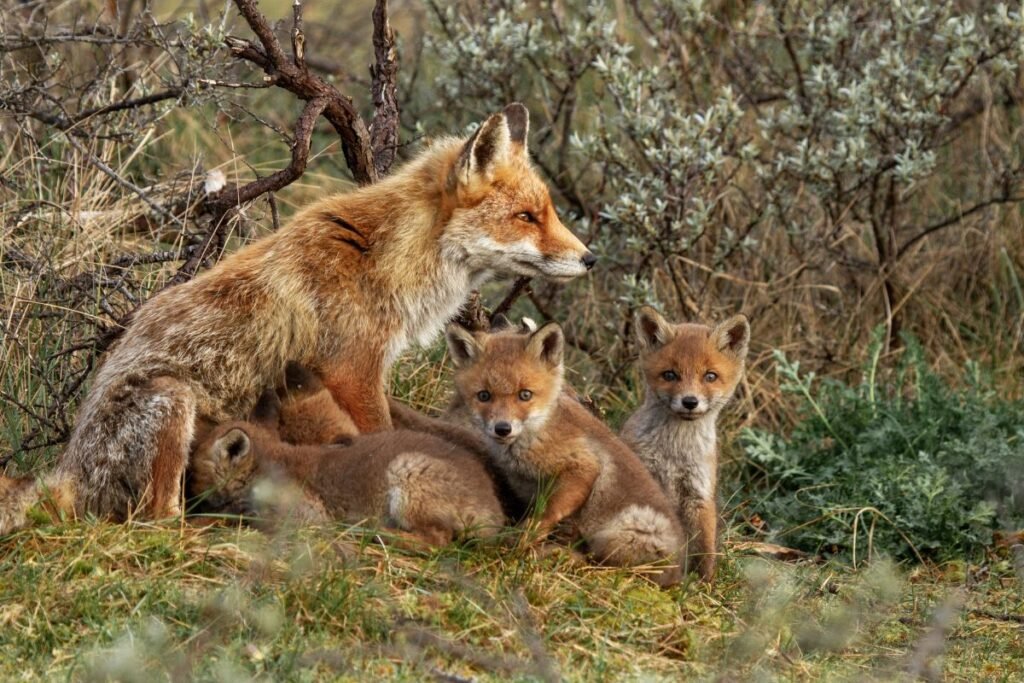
pixel 407 480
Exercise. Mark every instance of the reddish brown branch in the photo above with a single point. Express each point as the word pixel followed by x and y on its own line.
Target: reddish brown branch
pixel 522 286
pixel 230 197
pixel 296 78
pixel 384 129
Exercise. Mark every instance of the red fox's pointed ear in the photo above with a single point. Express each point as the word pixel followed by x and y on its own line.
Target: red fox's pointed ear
pixel 490 145
pixel 518 117
pixel 462 345
pixel 547 344
pixel 733 336
pixel 652 330
pixel 267 410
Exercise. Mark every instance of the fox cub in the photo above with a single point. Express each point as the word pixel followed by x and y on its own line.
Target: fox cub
pixel 510 383
pixel 691 372
pixel 410 481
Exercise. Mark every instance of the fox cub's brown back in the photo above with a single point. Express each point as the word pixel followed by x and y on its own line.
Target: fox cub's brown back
pixel 414 482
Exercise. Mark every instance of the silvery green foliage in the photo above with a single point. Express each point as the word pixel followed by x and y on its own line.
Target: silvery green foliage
pixel 693 134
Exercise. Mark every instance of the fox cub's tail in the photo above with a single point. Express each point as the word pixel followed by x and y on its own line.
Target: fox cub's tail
pixel 23 499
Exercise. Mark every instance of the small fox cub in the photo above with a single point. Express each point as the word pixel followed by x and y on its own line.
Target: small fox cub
pixel 510 383
pixel 691 373
pixel 413 482
pixel 351 282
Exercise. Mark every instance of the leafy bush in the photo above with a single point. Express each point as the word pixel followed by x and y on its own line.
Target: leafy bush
pixel 917 468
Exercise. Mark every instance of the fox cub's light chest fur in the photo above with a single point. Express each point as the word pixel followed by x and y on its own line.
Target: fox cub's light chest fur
pixel 510 384
pixel 691 372
pixel 344 288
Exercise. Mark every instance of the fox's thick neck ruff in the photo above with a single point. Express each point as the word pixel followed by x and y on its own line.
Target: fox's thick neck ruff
pixel 698 434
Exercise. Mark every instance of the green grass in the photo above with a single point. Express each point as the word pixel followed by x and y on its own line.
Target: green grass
pixel 142 602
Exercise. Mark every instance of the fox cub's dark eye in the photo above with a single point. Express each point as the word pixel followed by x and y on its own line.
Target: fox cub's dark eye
pixel 710 376
pixel 670 376
pixel 525 395
pixel 483 396
pixel 526 217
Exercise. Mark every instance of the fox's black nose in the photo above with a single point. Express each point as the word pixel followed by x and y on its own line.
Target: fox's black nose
pixel 589 260
pixel 502 428
pixel 690 402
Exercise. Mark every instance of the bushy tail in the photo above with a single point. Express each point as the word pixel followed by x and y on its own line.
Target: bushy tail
pixel 24 499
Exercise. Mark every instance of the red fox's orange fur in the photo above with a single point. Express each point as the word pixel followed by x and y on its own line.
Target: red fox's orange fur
pixel 691 372
pixel 510 384
pixel 350 283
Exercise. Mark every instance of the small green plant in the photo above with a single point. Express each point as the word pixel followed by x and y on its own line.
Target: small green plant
pixel 906 467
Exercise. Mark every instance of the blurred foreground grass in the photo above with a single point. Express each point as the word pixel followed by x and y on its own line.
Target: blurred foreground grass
pixel 137 602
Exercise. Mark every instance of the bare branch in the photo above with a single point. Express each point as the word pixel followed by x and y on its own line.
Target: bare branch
pixel 297 79
pixel 384 128
pixel 230 197
pixel 522 286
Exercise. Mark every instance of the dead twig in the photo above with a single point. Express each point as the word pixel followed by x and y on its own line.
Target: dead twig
pixel 384 128
pixel 295 77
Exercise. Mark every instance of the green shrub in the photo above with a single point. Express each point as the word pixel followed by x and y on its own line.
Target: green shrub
pixel 911 467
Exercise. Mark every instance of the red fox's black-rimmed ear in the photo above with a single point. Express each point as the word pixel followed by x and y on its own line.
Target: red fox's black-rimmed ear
pixel 652 330
pixel 547 344
pixel 733 336
pixel 462 345
pixel 267 411
pixel 518 117
pixel 299 378
pixel 495 141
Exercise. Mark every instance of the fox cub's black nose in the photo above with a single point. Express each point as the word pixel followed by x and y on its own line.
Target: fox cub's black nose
pixel 502 429
pixel 589 260
pixel 690 402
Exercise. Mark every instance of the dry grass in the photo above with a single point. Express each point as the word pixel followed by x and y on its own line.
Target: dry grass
pixel 101 602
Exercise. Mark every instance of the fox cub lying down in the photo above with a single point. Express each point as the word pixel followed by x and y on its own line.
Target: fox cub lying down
pixel 510 384
pixel 414 482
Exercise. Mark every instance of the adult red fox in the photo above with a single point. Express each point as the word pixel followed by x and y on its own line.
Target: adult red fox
pixel 350 283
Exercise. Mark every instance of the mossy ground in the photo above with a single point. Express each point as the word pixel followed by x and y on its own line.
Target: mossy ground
pixel 97 601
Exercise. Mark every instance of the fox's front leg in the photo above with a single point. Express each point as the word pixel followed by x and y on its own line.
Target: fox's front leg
pixel 571 490
pixel 700 519
pixel 359 389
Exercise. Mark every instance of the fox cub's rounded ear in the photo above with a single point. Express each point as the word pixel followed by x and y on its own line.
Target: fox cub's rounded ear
pixel 733 335
pixel 462 345
pixel 547 344
pixel 233 446
pixel 651 329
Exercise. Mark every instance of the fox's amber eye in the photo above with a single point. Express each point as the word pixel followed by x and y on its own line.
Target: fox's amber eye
pixel 525 395
pixel 526 217
pixel 670 376
pixel 483 396
pixel 710 376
